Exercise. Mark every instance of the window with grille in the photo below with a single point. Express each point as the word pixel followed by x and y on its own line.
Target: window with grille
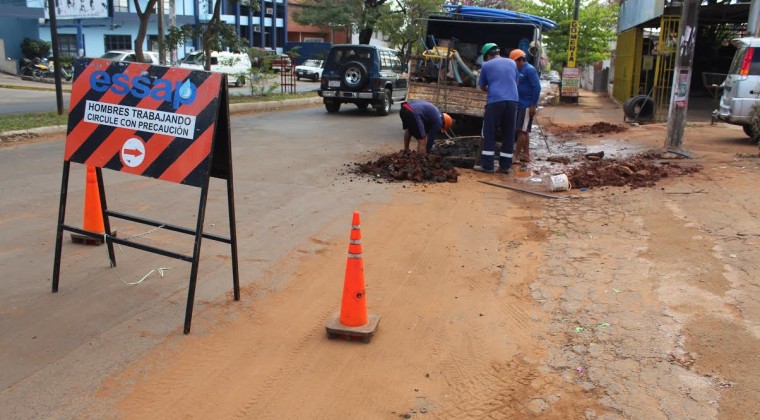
pixel 67 45
pixel 118 42
pixel 121 6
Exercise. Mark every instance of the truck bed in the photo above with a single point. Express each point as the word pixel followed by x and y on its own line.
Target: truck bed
pixel 454 100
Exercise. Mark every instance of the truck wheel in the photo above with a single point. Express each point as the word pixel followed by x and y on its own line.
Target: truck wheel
pixel 332 107
pixel 384 108
pixel 355 75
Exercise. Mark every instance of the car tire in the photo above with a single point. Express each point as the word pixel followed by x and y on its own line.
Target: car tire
pixel 383 108
pixel 314 78
pixel 332 107
pixel 298 78
pixel 355 75
pixel 749 131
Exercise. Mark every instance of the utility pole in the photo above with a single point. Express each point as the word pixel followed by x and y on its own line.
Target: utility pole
pixel 56 57
pixel 161 49
pixel 679 97
pixel 173 24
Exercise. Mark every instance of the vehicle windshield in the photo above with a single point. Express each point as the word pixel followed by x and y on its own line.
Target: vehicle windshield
pixel 112 55
pixel 312 63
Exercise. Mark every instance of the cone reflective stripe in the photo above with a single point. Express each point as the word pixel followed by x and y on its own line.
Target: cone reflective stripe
pixel 93 214
pixel 353 308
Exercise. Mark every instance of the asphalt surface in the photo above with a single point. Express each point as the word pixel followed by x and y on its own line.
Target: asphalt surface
pixel 19 96
pixel 289 184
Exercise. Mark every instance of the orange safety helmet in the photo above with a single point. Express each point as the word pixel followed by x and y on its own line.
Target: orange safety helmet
pixel 447 121
pixel 515 54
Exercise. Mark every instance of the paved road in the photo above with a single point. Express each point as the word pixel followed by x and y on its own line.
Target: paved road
pixel 21 101
pixel 290 185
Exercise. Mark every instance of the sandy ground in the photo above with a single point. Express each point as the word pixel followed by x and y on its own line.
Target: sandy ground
pixel 612 303
pixel 616 303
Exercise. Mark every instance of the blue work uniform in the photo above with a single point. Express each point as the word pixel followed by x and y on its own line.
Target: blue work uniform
pixel 499 75
pixel 422 119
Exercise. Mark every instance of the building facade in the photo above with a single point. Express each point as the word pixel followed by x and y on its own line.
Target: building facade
pixel 84 33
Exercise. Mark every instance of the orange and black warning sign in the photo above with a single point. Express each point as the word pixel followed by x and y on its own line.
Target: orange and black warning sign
pixel 166 123
pixel 141 119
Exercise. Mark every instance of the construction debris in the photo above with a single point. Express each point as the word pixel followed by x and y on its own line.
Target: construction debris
pixel 409 166
pixel 635 172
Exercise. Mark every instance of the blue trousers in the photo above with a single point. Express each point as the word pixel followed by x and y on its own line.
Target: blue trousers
pixel 499 120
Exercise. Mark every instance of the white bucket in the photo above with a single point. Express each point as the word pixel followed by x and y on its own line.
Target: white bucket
pixel 559 183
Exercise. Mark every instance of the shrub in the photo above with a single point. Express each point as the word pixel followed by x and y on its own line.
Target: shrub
pixel 32 48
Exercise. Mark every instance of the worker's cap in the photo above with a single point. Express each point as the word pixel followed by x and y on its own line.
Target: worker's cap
pixel 515 54
pixel 447 121
pixel 487 48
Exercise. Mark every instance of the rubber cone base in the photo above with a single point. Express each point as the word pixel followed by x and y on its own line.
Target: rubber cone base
pixel 365 332
pixel 88 240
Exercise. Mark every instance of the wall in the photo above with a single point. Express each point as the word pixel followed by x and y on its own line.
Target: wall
pixel 13 31
pixel 7 65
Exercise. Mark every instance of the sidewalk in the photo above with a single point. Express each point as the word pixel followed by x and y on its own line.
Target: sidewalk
pixel 10 81
pixel 591 107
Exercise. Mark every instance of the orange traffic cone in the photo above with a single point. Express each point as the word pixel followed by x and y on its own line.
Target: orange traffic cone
pixel 93 213
pixel 353 319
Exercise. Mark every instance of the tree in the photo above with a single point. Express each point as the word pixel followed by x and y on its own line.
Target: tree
pixel 360 15
pixel 402 23
pixel 597 21
pixel 144 17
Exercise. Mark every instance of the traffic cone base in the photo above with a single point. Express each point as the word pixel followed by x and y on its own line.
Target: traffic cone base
pixel 353 319
pixel 363 332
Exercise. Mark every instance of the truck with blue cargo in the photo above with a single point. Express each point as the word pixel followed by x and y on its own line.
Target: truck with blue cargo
pixel 446 73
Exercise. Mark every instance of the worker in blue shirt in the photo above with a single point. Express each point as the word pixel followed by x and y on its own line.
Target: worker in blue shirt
pixel 422 120
pixel 498 78
pixel 529 90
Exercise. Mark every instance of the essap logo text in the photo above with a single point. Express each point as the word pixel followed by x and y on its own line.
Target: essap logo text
pixel 178 94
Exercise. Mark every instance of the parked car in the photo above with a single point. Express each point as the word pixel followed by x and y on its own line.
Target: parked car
pixel 151 57
pixel 740 89
pixel 363 75
pixel 276 61
pixel 234 65
pixel 310 69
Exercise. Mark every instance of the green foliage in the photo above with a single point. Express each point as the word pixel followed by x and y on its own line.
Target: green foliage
pixel 12 122
pixel 359 15
pixel 597 20
pixel 403 24
pixel 32 48
pixel 260 73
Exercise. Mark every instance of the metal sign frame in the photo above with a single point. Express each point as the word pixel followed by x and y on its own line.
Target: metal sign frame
pixel 217 163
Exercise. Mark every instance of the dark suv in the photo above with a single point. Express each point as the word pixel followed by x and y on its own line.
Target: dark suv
pixel 363 75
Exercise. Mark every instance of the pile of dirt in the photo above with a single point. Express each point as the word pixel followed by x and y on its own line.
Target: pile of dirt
pixel 409 166
pixel 595 128
pixel 635 172
pixel 602 128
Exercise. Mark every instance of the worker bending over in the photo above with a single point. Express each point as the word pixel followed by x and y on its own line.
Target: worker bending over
pixel 422 120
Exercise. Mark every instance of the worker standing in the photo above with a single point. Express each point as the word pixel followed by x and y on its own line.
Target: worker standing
pixel 498 78
pixel 529 90
pixel 422 120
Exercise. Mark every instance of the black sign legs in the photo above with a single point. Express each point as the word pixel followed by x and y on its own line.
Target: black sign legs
pixel 106 223
pixel 233 236
pixel 196 256
pixel 59 230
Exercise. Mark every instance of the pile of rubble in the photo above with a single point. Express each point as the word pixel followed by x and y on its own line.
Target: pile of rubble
pixel 409 166
pixel 636 171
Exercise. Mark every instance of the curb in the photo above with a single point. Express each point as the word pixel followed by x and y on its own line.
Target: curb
pixel 234 109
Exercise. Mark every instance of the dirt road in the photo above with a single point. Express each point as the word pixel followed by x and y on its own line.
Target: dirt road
pixel 614 303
